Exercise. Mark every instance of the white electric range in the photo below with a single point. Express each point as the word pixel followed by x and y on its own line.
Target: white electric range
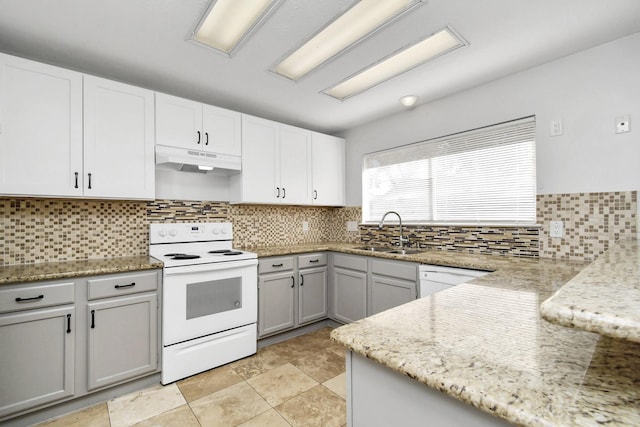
pixel 210 297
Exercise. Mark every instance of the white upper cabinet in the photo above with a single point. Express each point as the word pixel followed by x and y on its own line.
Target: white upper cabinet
pixel 118 140
pixel 328 170
pixel 295 165
pixel 275 164
pixel 258 181
pixel 222 130
pixel 44 150
pixel 189 124
pixel 40 129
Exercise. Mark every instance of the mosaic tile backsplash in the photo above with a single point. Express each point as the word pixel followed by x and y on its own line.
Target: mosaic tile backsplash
pixel 49 230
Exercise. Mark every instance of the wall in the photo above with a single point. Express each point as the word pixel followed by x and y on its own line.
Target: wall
pixel 586 90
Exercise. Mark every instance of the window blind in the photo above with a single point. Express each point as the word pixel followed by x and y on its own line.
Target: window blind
pixel 483 176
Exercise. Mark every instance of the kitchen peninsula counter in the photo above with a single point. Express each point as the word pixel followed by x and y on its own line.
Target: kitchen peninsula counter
pixel 485 344
pixel 604 297
pixel 60 270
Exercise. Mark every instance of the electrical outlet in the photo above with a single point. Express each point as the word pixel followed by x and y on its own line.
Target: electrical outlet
pixel 556 229
pixel 352 226
pixel 305 225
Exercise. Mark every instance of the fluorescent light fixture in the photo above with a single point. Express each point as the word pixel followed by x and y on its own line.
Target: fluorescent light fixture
pixel 409 100
pixel 205 168
pixel 405 59
pixel 359 21
pixel 228 23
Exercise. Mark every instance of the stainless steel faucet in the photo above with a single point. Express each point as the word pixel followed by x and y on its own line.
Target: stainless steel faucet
pixel 401 239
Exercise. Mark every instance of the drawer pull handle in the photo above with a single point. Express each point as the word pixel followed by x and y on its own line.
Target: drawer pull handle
pixel 314 260
pixel 277 265
pixel 293 281
pixel 93 319
pixel 38 298
pixel 130 285
pixel 68 323
pixel 301 280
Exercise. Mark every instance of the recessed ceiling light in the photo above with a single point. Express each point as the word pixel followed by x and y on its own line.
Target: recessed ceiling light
pixel 362 19
pixel 406 59
pixel 228 23
pixel 409 100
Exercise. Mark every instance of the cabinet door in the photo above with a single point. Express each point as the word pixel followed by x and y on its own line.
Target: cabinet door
pixel 118 140
pixel 312 294
pixel 387 292
pixel 222 130
pixel 295 159
pixel 276 303
pixel 122 339
pixel 257 182
pixel 327 166
pixel 36 358
pixel 40 129
pixel 349 294
pixel 178 122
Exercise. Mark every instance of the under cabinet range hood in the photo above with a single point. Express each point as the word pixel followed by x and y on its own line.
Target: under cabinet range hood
pixel 186 160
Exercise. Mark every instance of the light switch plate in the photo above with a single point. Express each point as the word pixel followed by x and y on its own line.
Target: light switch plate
pixel 555 128
pixel 623 124
pixel 556 229
pixel 352 226
pixel 305 225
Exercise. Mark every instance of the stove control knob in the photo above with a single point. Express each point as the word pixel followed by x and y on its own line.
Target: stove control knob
pixel 216 231
pixel 172 232
pixel 162 232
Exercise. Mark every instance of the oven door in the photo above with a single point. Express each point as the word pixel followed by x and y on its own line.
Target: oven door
pixel 204 299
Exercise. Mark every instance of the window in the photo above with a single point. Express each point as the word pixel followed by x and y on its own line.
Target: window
pixel 483 176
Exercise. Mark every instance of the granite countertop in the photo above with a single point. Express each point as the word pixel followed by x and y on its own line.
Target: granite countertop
pixel 604 297
pixel 429 256
pixel 59 270
pixel 485 344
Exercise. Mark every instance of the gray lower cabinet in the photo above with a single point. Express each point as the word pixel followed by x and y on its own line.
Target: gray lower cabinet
pixel 349 299
pixel 387 292
pixel 391 283
pixel 61 340
pixel 122 339
pixel 292 292
pixel 312 294
pixel 276 307
pixel 36 357
pixel 122 327
pixel 360 286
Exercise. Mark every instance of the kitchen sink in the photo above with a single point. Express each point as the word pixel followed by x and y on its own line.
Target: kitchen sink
pixel 374 248
pixel 405 251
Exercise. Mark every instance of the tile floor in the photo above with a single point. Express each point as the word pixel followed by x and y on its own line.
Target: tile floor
pixel 299 382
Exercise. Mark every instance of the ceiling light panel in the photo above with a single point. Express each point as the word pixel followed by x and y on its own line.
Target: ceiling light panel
pixel 361 20
pixel 228 23
pixel 444 41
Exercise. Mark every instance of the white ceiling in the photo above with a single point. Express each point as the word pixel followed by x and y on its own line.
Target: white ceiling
pixel 143 42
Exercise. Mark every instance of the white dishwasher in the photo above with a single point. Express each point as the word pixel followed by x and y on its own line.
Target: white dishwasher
pixel 436 278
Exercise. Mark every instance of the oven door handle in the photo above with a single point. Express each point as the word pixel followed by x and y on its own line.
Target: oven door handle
pixel 216 266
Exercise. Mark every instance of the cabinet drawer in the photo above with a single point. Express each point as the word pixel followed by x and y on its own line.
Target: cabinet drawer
pixel 312 260
pixel 122 284
pixel 350 261
pixel 396 269
pixel 28 296
pixel 269 265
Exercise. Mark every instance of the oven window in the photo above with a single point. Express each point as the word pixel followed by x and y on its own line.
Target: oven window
pixel 213 296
